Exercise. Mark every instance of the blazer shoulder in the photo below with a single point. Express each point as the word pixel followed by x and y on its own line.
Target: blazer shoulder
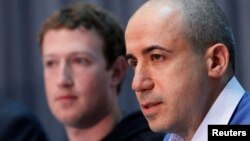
pixel 241 114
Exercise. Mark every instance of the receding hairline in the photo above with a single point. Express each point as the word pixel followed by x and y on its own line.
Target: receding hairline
pixel 156 5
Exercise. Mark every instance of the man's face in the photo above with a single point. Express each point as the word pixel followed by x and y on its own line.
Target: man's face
pixel 169 77
pixel 76 79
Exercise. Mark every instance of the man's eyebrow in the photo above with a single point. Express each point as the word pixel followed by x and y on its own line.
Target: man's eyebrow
pixel 48 55
pixel 149 49
pixel 154 47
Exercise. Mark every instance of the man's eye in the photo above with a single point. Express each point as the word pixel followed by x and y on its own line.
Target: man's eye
pixel 78 60
pixel 81 61
pixel 157 57
pixel 49 64
pixel 132 62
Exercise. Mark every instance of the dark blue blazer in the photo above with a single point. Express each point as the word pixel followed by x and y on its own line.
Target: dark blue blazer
pixel 17 123
pixel 241 114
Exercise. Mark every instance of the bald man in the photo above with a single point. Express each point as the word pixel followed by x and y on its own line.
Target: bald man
pixel 182 52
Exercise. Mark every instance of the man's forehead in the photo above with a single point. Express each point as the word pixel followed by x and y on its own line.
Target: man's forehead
pixel 154 12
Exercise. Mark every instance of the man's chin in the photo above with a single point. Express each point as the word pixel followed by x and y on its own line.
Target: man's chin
pixel 68 120
pixel 158 128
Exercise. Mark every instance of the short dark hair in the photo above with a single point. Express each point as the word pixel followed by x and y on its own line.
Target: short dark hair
pixel 205 24
pixel 90 17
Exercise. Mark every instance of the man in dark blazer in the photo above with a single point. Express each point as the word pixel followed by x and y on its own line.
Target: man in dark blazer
pixel 17 123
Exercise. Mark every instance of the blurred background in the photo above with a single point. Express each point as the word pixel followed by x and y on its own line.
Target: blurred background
pixel 21 76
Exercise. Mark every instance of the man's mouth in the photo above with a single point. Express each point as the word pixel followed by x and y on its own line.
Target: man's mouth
pixel 150 108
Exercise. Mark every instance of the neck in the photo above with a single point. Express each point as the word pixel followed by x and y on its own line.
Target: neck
pixel 216 87
pixel 96 132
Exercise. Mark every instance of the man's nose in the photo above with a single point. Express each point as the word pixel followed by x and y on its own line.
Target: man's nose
pixel 65 78
pixel 142 80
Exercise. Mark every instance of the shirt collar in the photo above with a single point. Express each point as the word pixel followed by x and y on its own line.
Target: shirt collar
pixel 222 109
pixel 175 137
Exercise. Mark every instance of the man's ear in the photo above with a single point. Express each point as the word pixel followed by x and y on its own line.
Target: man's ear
pixel 217 60
pixel 119 69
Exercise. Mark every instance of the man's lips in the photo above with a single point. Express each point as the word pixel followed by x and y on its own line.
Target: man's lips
pixel 150 109
pixel 66 97
pixel 150 105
